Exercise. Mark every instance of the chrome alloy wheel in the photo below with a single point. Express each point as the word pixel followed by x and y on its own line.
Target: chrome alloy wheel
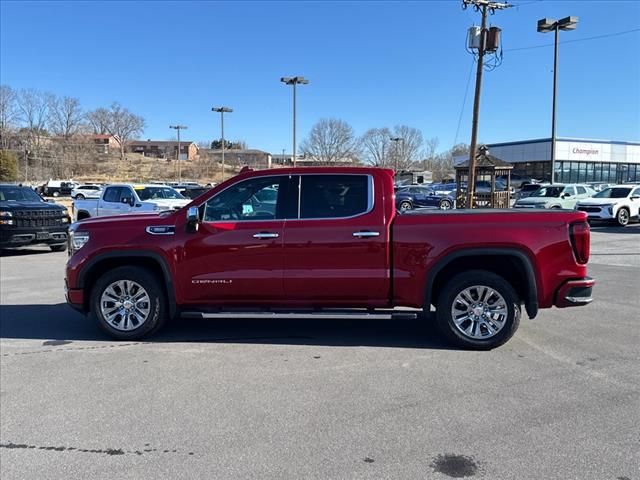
pixel 125 305
pixel 479 312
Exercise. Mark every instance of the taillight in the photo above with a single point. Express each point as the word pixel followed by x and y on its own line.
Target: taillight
pixel 580 235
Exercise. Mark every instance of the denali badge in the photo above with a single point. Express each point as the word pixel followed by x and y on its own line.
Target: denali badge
pixel 207 282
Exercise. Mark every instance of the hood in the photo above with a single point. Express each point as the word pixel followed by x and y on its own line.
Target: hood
pixel 142 219
pixel 169 203
pixel 600 201
pixel 25 205
pixel 530 199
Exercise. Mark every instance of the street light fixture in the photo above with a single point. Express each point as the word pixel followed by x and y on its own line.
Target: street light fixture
pixel 546 25
pixel 222 111
pixel 395 150
pixel 299 80
pixel 178 128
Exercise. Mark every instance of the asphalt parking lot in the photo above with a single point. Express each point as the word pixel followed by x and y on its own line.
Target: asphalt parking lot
pixel 320 399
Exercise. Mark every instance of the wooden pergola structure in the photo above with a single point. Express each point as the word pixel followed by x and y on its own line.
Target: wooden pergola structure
pixel 488 168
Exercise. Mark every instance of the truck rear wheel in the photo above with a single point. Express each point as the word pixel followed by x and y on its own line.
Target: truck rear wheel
pixel 128 303
pixel 478 310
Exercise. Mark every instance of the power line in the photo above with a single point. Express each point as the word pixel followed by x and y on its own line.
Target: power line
pixel 606 35
pixel 464 100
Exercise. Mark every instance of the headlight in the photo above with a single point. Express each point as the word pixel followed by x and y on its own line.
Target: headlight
pixel 65 219
pixel 78 239
pixel 5 218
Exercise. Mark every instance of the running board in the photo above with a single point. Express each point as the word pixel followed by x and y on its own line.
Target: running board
pixel 302 315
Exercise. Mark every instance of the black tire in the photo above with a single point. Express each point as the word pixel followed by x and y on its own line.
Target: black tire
pixel 470 279
pixel 445 204
pixel 58 248
pixel 405 205
pixel 623 216
pixel 158 309
pixel 79 196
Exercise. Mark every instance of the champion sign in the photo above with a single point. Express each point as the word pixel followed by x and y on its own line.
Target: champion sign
pixel 585 151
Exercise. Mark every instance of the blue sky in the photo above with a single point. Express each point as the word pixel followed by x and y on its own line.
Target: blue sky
pixel 372 64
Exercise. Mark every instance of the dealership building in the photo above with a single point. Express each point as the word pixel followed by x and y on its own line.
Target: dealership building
pixel 577 160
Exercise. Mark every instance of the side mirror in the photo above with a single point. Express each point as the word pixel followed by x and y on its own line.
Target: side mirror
pixel 128 201
pixel 193 219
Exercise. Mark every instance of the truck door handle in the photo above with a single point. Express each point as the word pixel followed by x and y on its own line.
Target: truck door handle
pixel 365 234
pixel 266 235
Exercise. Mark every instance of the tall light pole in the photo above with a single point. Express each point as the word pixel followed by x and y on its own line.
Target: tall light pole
pixel 546 25
pixel 222 111
pixel 395 150
pixel 178 128
pixel 294 81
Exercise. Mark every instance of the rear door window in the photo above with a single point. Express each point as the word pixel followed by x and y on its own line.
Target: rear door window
pixel 335 196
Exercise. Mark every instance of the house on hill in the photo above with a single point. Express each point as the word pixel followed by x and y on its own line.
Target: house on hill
pixel 164 149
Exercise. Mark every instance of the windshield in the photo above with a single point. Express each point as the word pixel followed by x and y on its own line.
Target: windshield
pixel 549 192
pixel 154 193
pixel 18 194
pixel 617 192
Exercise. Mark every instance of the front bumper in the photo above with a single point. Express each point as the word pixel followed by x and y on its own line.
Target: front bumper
pixel 74 297
pixel 20 237
pixel 575 293
pixel 597 213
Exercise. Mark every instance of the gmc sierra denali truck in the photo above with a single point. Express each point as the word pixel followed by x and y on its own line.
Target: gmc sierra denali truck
pixel 327 242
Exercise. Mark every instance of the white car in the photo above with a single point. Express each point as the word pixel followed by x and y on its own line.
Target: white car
pixel 126 198
pixel 86 191
pixel 620 203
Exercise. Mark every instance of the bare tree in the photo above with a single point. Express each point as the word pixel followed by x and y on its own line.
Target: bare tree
pixel 99 120
pixel 330 141
pixel 408 149
pixel 65 116
pixel 8 114
pixel 124 125
pixel 430 147
pixel 376 148
pixel 33 108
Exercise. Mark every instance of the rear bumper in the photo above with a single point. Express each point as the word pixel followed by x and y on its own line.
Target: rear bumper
pixel 575 293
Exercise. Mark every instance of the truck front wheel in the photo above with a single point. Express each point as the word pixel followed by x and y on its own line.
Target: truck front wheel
pixel 128 303
pixel 478 310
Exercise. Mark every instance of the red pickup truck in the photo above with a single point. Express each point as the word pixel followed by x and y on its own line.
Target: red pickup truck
pixel 327 242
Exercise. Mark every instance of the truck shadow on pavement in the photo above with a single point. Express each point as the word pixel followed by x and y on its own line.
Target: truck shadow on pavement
pixel 61 323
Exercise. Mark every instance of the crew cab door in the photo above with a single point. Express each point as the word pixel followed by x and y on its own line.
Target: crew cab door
pixel 236 254
pixel 336 251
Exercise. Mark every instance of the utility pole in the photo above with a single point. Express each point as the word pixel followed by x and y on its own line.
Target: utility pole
pixel 178 128
pixel 222 111
pixel 483 6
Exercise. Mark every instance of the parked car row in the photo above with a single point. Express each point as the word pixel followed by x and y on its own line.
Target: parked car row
pixel 620 202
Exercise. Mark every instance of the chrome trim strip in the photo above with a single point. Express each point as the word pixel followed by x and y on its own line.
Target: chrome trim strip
pixel 366 234
pixel 171 230
pixel 266 235
pixel 579 299
pixel 293 316
pixel 370 199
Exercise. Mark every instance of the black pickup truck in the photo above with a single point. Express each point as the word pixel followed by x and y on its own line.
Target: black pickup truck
pixel 26 219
